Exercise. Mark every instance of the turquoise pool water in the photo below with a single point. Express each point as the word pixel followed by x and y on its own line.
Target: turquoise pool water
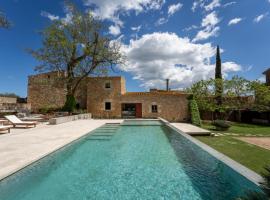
pixel 139 160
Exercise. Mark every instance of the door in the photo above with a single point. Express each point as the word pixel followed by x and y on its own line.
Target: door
pixel 138 110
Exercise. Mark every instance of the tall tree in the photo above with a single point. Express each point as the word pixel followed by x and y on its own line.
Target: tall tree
pixel 218 72
pixel 78 47
pixel 4 22
pixel 218 82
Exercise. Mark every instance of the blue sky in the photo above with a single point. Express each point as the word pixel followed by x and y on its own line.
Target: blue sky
pixel 162 39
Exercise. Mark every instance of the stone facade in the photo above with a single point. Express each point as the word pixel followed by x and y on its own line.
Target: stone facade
pixel 105 97
pixel 8 100
pixel 47 91
pixel 171 105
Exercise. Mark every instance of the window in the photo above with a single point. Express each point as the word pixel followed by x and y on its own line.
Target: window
pixel 108 106
pixel 154 108
pixel 108 85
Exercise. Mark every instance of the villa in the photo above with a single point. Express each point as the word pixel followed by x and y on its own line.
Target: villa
pixel 106 97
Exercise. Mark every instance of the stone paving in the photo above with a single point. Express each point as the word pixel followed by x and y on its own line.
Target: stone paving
pixel 21 147
pixel 190 129
pixel 263 142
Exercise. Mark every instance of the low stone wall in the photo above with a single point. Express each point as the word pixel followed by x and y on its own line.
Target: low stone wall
pixel 60 120
pixel 15 107
pixel 8 100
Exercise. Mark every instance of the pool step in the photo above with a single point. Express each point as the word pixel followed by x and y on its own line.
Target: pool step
pixel 105 132
pixel 96 138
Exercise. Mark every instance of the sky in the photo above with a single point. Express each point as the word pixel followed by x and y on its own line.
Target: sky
pixel 161 39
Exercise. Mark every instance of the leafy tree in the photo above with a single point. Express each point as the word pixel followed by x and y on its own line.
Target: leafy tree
pixel 203 92
pixel 4 22
pixel 77 47
pixel 262 96
pixel 238 94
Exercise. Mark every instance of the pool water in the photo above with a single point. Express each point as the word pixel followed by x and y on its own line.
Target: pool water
pixel 139 160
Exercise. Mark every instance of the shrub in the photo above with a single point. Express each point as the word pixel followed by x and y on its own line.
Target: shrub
pixel 70 104
pixel 48 109
pixel 221 125
pixel 194 110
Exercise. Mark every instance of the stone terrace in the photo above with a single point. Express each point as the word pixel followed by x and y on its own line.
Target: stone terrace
pixel 24 146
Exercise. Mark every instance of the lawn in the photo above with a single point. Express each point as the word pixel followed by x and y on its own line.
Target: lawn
pixel 249 155
pixel 243 129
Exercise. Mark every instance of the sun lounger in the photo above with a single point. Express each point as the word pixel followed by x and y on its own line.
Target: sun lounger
pixel 15 121
pixel 5 128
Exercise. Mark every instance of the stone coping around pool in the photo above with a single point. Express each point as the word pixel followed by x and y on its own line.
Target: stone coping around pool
pixel 55 147
pixel 241 169
pixel 60 120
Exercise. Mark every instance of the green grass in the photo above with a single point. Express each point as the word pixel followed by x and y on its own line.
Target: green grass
pixel 249 155
pixel 243 129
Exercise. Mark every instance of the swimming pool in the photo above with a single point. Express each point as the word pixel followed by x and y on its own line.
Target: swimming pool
pixel 135 160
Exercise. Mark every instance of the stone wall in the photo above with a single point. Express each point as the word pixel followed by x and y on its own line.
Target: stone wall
pixel 45 91
pixel 172 106
pixel 48 91
pixel 97 95
pixel 8 100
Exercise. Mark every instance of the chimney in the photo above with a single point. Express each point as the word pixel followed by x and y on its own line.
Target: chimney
pixel 167 84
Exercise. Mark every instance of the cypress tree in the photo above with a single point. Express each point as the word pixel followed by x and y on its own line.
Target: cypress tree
pixel 218 81
pixel 218 65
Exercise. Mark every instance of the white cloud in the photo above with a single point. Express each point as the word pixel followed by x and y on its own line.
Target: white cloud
pixel 196 4
pixel 49 15
pixel 136 28
pixel 161 21
pixel 111 9
pixel 211 6
pixel 210 20
pixel 206 33
pixel 210 29
pixel 235 21
pixel 262 79
pixel 190 28
pixel 157 56
pixel 260 17
pixel 174 8
pixel 231 67
pixel 114 30
pixel 230 3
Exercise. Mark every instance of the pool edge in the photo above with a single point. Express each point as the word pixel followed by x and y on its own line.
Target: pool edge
pixel 238 167
pixel 12 172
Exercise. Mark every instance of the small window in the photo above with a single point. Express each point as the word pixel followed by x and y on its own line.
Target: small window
pixel 108 106
pixel 154 108
pixel 107 85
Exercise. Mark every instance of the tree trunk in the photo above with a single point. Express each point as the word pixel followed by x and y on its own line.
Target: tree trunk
pixel 70 103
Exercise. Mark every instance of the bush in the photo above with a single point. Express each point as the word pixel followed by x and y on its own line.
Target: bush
pixel 194 110
pixel 221 125
pixel 46 110
pixel 70 104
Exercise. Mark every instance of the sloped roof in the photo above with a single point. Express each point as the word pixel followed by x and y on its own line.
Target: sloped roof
pixel 156 93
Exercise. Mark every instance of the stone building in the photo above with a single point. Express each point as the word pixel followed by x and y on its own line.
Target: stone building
pixel 106 97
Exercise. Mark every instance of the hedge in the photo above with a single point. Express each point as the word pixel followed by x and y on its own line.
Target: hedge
pixel 195 113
